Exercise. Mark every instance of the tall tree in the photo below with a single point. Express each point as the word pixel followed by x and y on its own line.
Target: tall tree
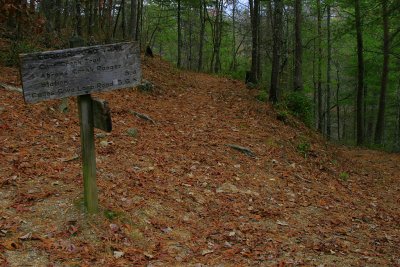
pixel 277 34
pixel 360 75
pixel 133 20
pixel 328 72
pixel 255 57
pixel 319 67
pixel 202 10
pixel 380 124
pixel 298 51
pixel 179 35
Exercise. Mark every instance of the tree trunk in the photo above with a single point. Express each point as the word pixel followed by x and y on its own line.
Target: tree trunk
pixel 78 17
pixel 380 124
pixel 337 101
pixel 203 11
pixel 123 25
pixel 133 20
pixel 277 34
pixel 360 75
pixel 179 35
pixel 319 69
pixel 57 22
pixel 139 20
pixel 254 10
pixel 328 74
pixel 233 63
pixel 298 52
pixel 218 35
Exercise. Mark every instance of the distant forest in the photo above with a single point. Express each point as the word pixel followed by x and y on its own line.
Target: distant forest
pixel 334 64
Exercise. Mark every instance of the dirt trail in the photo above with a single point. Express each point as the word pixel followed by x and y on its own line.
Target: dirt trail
pixel 177 194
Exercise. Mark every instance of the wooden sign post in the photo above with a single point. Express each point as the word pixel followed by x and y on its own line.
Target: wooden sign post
pixel 79 72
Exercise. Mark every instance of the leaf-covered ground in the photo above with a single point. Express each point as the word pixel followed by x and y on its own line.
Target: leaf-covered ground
pixel 177 195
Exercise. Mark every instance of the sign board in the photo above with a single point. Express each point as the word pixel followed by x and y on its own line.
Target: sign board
pixel 79 71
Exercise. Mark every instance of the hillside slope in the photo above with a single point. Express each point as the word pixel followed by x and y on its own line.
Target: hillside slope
pixel 177 194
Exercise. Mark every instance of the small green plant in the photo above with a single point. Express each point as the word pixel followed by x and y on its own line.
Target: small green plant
pixel 344 176
pixel 304 148
pixel 282 115
pixel 111 215
pixel 262 95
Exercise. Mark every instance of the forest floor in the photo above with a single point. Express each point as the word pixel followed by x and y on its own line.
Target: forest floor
pixel 177 195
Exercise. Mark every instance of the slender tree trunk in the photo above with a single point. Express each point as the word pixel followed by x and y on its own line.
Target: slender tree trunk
pixel 233 63
pixel 314 85
pixel 78 17
pixel 380 124
pixel 203 11
pixel 123 25
pixel 277 28
pixel 328 74
pixel 337 101
pixel 95 15
pixel 254 9
pixel 360 75
pixel 139 20
pixel 133 20
pixel 218 36
pixel 190 43
pixel 90 17
pixel 57 22
pixel 397 135
pixel 319 69
pixel 179 35
pixel 116 21
pixel 298 52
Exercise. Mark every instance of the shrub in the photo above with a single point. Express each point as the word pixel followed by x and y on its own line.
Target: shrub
pixel 299 105
pixel 11 58
pixel 262 95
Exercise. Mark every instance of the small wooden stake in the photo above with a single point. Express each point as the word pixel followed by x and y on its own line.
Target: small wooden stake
pixel 85 107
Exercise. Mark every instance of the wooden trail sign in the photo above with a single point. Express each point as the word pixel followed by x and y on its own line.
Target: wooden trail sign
pixel 79 72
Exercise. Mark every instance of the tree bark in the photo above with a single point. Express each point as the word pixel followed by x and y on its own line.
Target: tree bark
pixel 380 124
pixel 337 101
pixel 360 75
pixel 328 74
pixel 277 34
pixel 254 14
pixel 179 35
pixel 298 52
pixel 133 20
pixel 203 10
pixel 319 69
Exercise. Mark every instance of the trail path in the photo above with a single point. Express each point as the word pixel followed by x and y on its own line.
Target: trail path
pixel 177 194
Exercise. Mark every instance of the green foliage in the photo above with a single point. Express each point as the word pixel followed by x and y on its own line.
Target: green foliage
pixel 299 105
pixel 282 115
pixel 304 147
pixel 11 58
pixel 111 215
pixel 344 176
pixel 262 95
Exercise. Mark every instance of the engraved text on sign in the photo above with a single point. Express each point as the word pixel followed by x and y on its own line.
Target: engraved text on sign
pixel 79 71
